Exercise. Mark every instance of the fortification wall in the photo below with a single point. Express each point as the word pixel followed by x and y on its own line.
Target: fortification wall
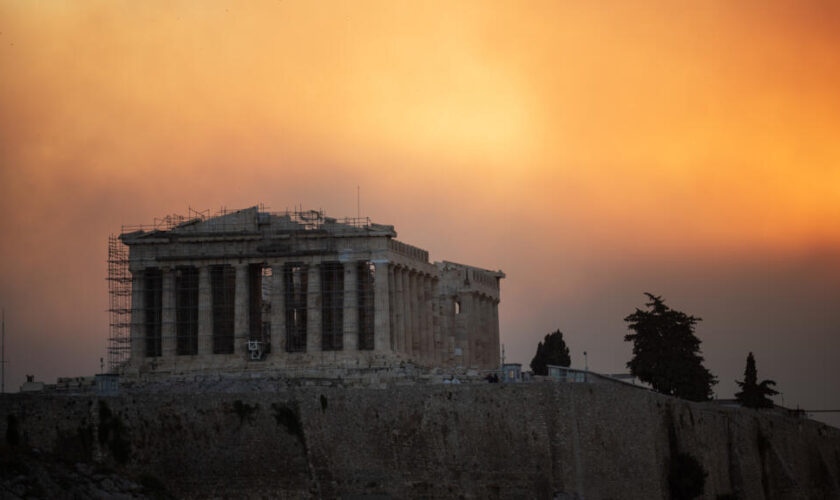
pixel 538 440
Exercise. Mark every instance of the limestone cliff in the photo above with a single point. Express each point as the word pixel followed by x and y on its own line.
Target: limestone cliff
pixel 539 440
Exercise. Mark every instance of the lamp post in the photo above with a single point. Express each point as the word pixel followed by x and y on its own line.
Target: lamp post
pixel 3 355
pixel 585 367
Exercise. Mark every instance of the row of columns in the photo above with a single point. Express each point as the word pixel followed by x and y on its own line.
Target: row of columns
pixel 409 317
pixel 414 318
pixel 350 326
pixel 476 330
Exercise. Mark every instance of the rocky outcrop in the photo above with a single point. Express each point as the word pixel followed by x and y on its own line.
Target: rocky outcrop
pixel 39 475
pixel 539 440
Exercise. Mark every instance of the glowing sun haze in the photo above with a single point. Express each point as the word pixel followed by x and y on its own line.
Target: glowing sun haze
pixel 591 151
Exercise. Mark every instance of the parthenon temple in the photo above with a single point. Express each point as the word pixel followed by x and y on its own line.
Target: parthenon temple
pixel 299 289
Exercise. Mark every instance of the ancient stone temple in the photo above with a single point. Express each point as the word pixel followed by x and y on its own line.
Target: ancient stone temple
pixel 299 289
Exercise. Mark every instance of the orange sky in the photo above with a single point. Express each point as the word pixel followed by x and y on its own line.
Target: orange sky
pixel 584 148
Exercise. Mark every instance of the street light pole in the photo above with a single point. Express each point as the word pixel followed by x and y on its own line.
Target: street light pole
pixel 3 356
pixel 585 367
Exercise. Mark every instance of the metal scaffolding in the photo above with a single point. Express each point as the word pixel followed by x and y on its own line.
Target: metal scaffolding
pixel 304 219
pixel 119 289
pixel 167 300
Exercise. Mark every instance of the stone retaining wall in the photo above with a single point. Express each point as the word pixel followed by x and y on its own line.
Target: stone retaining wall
pixel 419 441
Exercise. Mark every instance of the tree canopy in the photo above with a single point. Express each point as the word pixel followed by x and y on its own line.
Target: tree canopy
pixel 552 351
pixel 754 394
pixel 666 353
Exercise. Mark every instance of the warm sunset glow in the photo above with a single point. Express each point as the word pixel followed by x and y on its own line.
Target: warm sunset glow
pixel 585 148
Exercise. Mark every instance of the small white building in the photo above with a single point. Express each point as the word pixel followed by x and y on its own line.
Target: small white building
pixel 31 385
pixel 512 372
pixel 566 374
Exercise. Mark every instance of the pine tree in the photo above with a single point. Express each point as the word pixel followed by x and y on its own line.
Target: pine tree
pixel 754 394
pixel 666 353
pixel 553 351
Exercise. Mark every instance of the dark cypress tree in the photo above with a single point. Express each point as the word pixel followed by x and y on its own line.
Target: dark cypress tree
pixel 552 351
pixel 666 353
pixel 754 394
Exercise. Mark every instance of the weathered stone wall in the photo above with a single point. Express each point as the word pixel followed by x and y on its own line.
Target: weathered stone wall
pixel 473 441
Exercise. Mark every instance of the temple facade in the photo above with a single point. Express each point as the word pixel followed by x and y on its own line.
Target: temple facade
pixel 253 289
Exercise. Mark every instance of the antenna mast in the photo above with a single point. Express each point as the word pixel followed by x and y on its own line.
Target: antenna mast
pixel 358 202
pixel 3 356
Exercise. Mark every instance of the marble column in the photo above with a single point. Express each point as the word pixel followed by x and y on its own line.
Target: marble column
pixel 278 310
pixel 478 333
pixel 439 347
pixel 350 326
pixel 411 314
pixel 313 310
pixel 205 312
pixel 428 330
pixel 484 333
pixel 422 319
pixel 418 316
pixel 381 333
pixel 462 334
pixel 167 326
pixel 472 328
pixel 138 315
pixel 399 308
pixel 241 313
pixel 391 309
pixel 495 325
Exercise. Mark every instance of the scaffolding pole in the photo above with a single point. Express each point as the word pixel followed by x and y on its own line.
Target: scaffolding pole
pixel 119 290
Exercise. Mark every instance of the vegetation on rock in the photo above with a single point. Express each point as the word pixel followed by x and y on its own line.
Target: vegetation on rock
pixel 666 353
pixel 754 394
pixel 552 351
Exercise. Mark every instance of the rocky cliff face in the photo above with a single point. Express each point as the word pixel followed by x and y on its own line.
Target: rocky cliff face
pixel 541 440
